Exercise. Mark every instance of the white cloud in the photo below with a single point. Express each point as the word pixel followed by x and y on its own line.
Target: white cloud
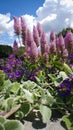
pixel 55 14
pixel 4 18
pixel 66 2
pixel 6 24
pixel 48 18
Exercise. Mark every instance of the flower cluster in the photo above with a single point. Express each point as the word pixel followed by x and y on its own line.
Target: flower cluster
pixel 65 88
pixel 59 45
pixel 13 68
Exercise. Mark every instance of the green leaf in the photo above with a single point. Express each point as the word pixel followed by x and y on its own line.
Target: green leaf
pixel 2 127
pixel 28 95
pixel 2 119
pixel 4 105
pixel 13 125
pixel 15 86
pixel 49 98
pixel 63 75
pixel 45 112
pixel 67 121
pixel 7 83
pixel 37 79
pixel 29 85
pixel 8 104
pixel 58 64
pixel 56 83
pixel 2 77
pixel 52 77
pixel 19 115
pixel 67 69
pixel 25 108
pixel 41 76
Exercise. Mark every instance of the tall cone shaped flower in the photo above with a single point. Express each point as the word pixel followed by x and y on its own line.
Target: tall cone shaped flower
pixel 33 52
pixel 17 26
pixel 36 36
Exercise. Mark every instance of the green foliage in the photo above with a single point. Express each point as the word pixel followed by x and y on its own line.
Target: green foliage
pixel 58 65
pixel 2 119
pixel 15 87
pixel 23 111
pixel 68 120
pixel 2 78
pixel 1 127
pixel 29 95
pixel 6 124
pixel 45 112
pixel 5 50
pixel 64 31
pixel 41 95
pixel 13 125
pixel 67 69
pixel 20 51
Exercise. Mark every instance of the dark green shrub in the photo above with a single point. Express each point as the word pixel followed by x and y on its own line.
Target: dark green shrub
pixel 5 50
pixel 64 31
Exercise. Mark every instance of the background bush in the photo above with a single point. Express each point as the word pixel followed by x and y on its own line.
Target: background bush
pixel 5 50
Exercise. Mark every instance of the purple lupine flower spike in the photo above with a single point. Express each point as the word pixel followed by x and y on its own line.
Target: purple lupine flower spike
pixel 52 36
pixel 29 38
pixel 36 36
pixel 23 25
pixel 69 41
pixel 39 28
pixel 61 43
pixel 58 46
pixel 43 42
pixel 52 47
pixel 43 39
pixel 23 29
pixel 17 26
pixel 33 52
pixel 46 57
pixel 15 46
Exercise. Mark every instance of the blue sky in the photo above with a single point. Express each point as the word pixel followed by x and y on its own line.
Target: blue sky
pixel 52 14
pixel 20 7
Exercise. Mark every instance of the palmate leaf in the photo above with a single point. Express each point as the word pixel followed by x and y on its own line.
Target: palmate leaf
pixel 45 112
pixel 13 125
